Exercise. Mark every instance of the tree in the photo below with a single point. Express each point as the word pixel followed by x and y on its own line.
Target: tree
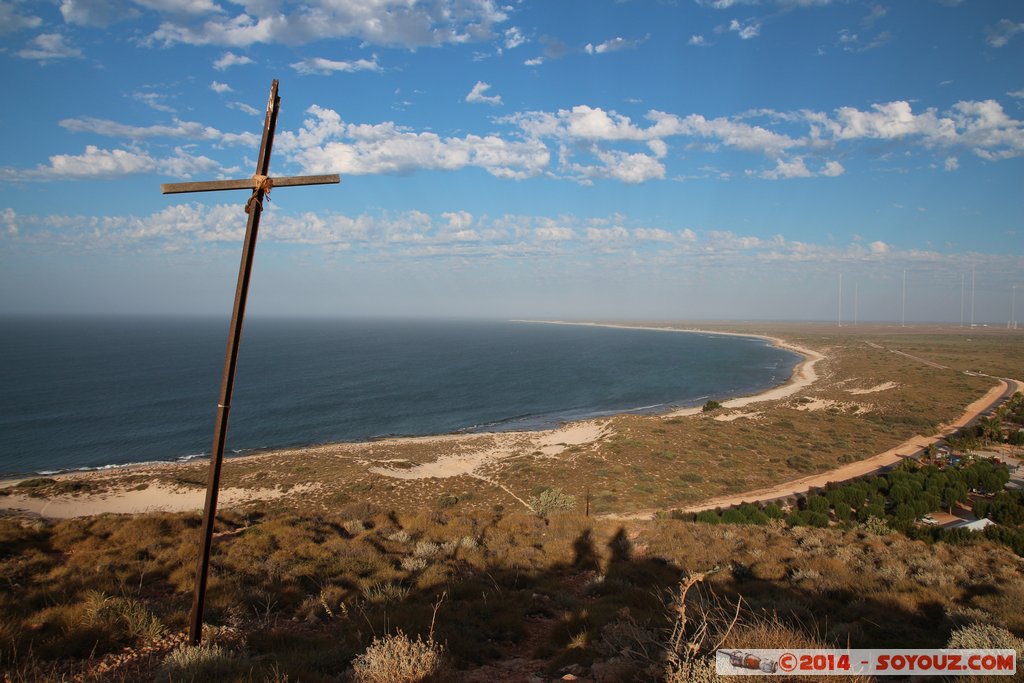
pixel 989 430
pixel 817 504
pixel 953 494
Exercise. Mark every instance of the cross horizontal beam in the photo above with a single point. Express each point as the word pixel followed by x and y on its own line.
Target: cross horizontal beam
pixel 248 183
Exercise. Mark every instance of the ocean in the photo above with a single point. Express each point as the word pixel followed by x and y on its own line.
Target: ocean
pixel 84 393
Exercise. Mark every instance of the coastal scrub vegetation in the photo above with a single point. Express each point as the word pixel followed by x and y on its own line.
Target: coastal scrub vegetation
pixel 320 598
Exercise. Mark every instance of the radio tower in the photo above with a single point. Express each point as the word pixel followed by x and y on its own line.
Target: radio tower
pixel 972 296
pixel 903 321
pixel 962 276
pixel 840 317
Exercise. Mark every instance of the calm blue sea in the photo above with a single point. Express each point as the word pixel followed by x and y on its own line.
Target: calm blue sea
pixel 95 392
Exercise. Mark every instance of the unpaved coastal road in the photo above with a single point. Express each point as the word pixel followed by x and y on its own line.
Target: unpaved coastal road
pixel 994 397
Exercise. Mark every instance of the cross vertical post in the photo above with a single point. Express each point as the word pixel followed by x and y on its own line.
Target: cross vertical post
pixel 260 184
pixel 227 381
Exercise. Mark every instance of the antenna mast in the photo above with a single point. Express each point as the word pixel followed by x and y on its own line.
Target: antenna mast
pixel 962 276
pixel 840 318
pixel 972 295
pixel 856 288
pixel 903 321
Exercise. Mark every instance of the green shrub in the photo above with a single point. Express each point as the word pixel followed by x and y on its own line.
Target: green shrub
pixel 552 500
pixel 447 500
pixel 709 517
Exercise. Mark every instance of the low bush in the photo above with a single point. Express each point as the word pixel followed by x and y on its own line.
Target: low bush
pixel 552 500
pixel 397 658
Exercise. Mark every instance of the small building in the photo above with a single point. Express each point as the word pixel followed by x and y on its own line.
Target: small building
pixel 976 525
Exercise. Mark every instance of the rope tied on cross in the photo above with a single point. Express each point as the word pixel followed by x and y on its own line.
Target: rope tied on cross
pixel 263 184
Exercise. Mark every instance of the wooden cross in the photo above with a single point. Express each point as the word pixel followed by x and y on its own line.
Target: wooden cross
pixel 260 185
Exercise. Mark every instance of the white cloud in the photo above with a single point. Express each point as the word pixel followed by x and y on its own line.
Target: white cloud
pixel 659 148
pixel 153 100
pixel 514 38
pixel 631 168
pixel 220 87
pixel 593 123
pixel 612 45
pixel 697 40
pixel 536 61
pixel 987 129
pixel 182 7
pixel 324 67
pixel 11 20
pixel 851 42
pixel 653 235
pixel 99 13
pixel 245 108
pixel 1018 94
pixel 951 164
pixel 833 169
pixel 47 47
pixel 230 59
pixel 731 133
pixel 618 165
pixel 1004 30
pixel 10 222
pixel 795 168
pixel 983 126
pixel 190 130
pixel 727 4
pixel 889 121
pixel 746 31
pixel 326 144
pixel 554 234
pixel 875 13
pixel 458 220
pixel 393 23
pixel 616 234
pixel 477 96
pixel 96 163
pixel 879 247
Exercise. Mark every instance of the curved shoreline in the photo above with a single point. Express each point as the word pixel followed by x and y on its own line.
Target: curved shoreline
pixel 498 446
pixel 802 376
pixel 798 379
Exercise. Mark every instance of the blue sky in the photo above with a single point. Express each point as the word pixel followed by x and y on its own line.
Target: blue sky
pixel 697 159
